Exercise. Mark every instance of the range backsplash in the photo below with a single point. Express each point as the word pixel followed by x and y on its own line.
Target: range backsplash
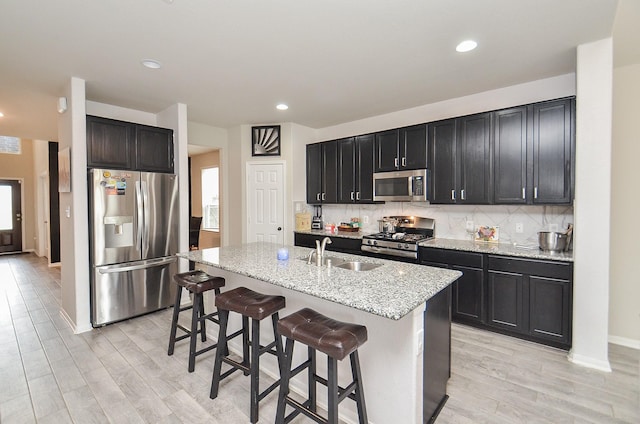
pixel 451 220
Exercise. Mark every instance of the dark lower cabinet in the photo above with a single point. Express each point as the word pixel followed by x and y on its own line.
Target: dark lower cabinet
pixel 526 298
pixel 505 304
pixel 338 244
pixel 532 298
pixel 467 291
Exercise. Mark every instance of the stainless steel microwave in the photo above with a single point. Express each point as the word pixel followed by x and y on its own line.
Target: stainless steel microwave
pixel 401 186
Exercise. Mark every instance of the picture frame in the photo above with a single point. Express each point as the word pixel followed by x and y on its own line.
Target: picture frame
pixel 265 140
pixel 64 170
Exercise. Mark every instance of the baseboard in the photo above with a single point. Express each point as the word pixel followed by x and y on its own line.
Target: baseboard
pixel 72 325
pixel 589 362
pixel 624 341
pixel 55 265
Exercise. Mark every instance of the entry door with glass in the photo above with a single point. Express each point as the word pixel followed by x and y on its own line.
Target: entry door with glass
pixel 10 216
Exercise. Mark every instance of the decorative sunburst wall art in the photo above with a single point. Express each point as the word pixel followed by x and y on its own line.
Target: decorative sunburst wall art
pixel 265 140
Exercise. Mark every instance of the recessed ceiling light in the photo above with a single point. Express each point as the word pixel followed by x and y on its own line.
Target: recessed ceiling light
pixel 1 114
pixel 282 106
pixel 151 64
pixel 466 46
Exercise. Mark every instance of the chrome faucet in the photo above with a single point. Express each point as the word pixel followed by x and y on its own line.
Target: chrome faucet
pixel 319 250
pixel 320 247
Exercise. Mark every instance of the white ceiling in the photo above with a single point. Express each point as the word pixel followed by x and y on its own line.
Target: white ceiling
pixel 231 62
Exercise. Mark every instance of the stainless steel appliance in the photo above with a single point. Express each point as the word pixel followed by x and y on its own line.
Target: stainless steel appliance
pixel 403 241
pixel 316 221
pixel 133 239
pixel 409 186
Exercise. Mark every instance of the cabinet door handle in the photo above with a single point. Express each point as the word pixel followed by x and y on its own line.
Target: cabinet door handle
pixel 357 195
pixel 453 195
pixel 535 192
pixel 395 162
pixel 324 196
pixel 462 194
pixel 404 161
pixel 524 193
pixel 318 197
pixel 353 196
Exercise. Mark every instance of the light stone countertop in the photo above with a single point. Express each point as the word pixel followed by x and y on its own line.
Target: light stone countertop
pixel 507 249
pixel 529 252
pixel 392 290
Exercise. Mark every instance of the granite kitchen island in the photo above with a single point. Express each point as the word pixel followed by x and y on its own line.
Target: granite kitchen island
pixel 406 308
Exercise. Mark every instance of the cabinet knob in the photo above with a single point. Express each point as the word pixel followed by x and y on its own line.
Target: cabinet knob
pixel 318 196
pixel 353 196
pixel 357 195
pixel 524 193
pixel 535 192
pixel 404 161
pixel 462 194
pixel 324 196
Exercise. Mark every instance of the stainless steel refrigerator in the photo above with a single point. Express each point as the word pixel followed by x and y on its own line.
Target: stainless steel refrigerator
pixel 133 237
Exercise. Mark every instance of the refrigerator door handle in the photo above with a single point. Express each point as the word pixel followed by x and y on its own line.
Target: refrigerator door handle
pixel 139 221
pixel 147 219
pixel 109 269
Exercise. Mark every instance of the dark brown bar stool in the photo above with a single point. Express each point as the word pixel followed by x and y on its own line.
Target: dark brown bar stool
pixel 256 306
pixel 337 340
pixel 197 282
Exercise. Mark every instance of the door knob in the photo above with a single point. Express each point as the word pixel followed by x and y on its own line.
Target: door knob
pixel 279 228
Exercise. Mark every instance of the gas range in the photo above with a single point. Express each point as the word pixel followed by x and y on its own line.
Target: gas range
pixel 403 242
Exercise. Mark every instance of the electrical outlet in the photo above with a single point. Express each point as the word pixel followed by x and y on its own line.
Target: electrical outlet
pixel 365 219
pixel 470 227
pixel 519 227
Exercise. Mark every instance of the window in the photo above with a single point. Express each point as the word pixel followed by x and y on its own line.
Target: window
pixel 10 145
pixel 210 199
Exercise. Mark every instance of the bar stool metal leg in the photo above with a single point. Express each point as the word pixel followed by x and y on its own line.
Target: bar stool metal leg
pixel 222 347
pixel 195 313
pixel 332 385
pixel 174 322
pixel 359 395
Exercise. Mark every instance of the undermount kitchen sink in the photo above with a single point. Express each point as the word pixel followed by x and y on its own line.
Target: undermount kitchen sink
pixel 358 266
pixel 342 263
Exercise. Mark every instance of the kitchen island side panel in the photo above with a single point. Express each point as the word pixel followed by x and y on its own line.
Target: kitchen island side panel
pixel 391 360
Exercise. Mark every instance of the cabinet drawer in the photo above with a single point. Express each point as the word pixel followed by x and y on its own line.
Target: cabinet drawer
pixel 451 257
pixel 540 268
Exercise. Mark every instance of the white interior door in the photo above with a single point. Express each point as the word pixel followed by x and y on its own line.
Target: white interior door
pixel 265 202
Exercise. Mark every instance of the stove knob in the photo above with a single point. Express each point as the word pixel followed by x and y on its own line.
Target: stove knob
pixel 399 245
pixel 406 246
pixel 375 243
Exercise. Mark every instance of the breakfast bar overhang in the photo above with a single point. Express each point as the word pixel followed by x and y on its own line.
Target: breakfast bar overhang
pixel 406 308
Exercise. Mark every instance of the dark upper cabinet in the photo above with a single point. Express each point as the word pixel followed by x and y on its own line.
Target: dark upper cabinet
pixel 347 170
pixel 474 159
pixel 510 155
pixel 109 143
pixel 322 172
pixel 404 148
pixel 387 151
pixel 552 145
pixel 154 149
pixel 314 173
pixel 534 153
pixel 125 145
pixel 365 162
pixel 459 152
pixel 442 161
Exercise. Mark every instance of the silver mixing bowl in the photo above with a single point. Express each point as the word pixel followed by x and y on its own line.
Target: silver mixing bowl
pixel 552 241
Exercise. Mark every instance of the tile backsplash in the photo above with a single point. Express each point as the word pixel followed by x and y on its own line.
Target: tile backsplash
pixel 451 220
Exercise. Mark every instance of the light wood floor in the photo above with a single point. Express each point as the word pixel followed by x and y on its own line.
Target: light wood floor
pixel 121 373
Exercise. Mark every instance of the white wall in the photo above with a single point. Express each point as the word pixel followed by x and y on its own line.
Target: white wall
pixel 74 236
pixel 624 305
pixel 592 204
